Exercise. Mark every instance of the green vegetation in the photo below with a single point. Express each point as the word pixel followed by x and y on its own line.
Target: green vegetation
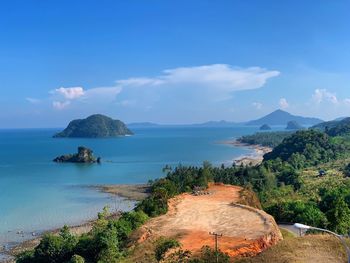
pixel 269 139
pixel 342 128
pixel 324 126
pixel 95 126
pixel 305 148
pixel 163 246
pixel 105 243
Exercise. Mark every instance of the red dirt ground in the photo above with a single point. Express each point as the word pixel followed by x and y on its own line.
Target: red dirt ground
pixel 246 231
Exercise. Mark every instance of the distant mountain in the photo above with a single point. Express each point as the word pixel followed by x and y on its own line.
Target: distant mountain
pixel 143 125
pixel 280 117
pixel 95 126
pixel 293 125
pixel 221 123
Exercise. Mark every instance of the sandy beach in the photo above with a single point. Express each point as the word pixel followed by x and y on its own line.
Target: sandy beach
pixel 135 192
pixel 254 158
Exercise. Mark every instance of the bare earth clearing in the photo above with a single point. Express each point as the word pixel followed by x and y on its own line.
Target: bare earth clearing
pixel 246 230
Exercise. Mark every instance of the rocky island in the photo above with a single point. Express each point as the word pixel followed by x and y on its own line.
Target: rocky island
pixel 265 127
pixel 293 125
pixel 84 155
pixel 94 126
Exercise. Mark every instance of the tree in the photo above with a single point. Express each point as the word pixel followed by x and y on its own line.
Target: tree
pixel 51 249
pixel 339 216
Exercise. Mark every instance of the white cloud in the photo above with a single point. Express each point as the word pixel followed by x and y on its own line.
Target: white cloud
pixel 283 103
pixel 322 95
pixel 70 93
pixel 139 82
pixel 216 76
pixel 102 92
pixel 192 87
pixel 257 105
pixel 63 97
pixel 58 105
pixel 33 100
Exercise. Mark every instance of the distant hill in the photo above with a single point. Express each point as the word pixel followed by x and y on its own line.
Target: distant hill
pixel 280 117
pixel 95 126
pixel 293 125
pixel 327 124
pixel 339 128
pixel 143 125
pixel 221 123
pixel 270 139
pixel 340 118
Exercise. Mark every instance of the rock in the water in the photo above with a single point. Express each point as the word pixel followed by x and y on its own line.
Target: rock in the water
pixel 84 155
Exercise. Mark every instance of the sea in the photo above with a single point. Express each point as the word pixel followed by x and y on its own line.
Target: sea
pixel 37 194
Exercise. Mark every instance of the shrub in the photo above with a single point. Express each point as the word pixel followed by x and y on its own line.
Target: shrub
pixel 163 246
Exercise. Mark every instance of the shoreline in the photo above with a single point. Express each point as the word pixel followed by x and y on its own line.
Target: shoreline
pixel 252 159
pixel 135 193
pixel 131 192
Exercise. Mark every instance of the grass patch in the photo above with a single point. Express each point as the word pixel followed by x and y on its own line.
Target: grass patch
pixel 310 248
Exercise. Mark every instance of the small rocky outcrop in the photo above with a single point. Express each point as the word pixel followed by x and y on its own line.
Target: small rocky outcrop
pixel 293 125
pixel 84 155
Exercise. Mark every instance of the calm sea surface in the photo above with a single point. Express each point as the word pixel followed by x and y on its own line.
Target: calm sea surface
pixel 37 194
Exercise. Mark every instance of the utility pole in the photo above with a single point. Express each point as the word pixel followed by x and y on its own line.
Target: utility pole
pixel 216 235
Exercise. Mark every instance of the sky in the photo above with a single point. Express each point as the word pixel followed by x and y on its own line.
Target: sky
pixel 172 62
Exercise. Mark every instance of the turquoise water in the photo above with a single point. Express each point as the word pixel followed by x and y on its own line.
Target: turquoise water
pixel 37 194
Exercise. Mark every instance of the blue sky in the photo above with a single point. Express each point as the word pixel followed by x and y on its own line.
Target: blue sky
pixel 172 61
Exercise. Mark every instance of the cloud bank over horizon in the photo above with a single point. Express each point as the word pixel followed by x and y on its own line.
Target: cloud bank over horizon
pixel 210 82
pixel 184 95
pixel 190 90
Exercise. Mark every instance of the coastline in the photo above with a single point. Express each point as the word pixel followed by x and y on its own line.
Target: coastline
pixel 254 158
pixel 131 192
pixel 134 193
